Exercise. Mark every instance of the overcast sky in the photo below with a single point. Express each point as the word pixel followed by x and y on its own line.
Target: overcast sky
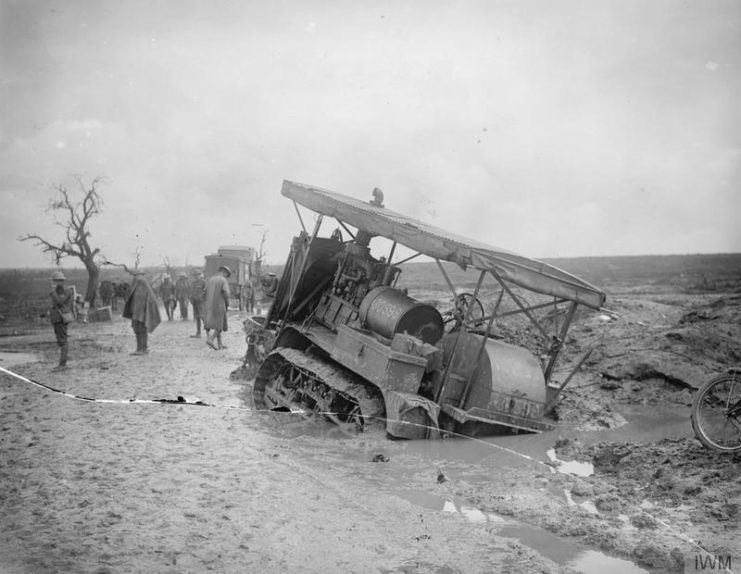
pixel 549 128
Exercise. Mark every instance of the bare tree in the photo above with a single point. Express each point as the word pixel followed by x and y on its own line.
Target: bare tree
pixel 136 254
pixel 74 217
pixel 261 254
pixel 167 264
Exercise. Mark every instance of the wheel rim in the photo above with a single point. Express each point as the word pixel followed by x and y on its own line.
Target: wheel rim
pixel 476 312
pixel 720 430
pixel 466 304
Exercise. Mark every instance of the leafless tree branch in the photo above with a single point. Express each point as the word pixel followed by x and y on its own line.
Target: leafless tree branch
pixel 74 216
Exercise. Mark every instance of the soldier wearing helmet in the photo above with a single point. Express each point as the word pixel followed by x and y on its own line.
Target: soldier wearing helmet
pixel 63 301
pixel 141 307
pixel 217 304
pixel 167 293
pixel 197 298
pixel 269 284
pixel 182 293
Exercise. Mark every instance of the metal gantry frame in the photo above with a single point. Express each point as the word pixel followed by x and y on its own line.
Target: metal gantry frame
pixel 556 341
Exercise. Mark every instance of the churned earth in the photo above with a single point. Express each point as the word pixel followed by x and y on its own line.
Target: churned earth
pixel 120 486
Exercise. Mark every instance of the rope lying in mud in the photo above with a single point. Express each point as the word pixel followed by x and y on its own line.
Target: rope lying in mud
pixel 185 401
pixel 179 401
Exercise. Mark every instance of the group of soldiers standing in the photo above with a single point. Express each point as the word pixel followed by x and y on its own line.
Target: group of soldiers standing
pixel 181 293
pixel 208 299
pixel 111 292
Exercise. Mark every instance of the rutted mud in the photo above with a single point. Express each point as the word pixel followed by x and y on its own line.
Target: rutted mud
pixel 109 488
pixel 8 360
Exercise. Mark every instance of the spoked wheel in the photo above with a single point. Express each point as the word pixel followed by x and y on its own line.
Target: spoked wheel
pixel 290 380
pixel 716 413
pixel 461 305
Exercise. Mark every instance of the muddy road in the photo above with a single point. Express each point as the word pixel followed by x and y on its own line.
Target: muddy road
pixel 128 487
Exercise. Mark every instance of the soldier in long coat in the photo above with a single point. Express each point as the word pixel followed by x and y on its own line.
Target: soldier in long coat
pixel 197 298
pixel 167 293
pixel 217 303
pixel 107 293
pixel 141 307
pixel 182 293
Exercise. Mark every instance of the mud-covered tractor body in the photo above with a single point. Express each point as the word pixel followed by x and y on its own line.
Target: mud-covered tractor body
pixel 346 343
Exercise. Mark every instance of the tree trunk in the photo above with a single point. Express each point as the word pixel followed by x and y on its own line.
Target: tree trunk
pixel 93 273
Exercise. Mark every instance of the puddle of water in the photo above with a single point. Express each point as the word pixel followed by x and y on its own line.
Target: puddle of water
pixel 452 506
pixel 11 359
pixel 645 423
pixel 570 466
pixel 576 556
pixel 590 561
pixel 493 454
pixel 469 451
pixel 651 422
pixel 298 423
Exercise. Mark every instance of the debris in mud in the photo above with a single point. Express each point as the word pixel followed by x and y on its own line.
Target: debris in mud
pixel 697 316
pixel 662 477
pixel 584 412
pixel 380 458
pixel 607 503
pixel 567 447
pixel 642 520
pixel 654 556
pixel 610 384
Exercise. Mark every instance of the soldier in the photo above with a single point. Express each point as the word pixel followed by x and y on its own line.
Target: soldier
pixel 182 293
pixel 141 307
pixel 107 293
pixel 197 297
pixel 247 296
pixel 269 284
pixel 217 303
pixel 122 291
pixel 167 294
pixel 63 301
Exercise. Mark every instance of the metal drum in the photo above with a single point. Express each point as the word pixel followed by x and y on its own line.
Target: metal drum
pixel 388 311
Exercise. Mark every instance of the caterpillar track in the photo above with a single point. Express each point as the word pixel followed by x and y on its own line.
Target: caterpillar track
pixel 290 379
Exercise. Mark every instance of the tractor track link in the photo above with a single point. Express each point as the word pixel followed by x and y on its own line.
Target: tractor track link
pixel 320 386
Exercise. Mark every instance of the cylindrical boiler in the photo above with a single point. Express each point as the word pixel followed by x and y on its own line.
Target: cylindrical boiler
pixel 388 311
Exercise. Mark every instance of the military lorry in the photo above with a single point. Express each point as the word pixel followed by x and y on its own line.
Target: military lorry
pixel 240 260
pixel 341 340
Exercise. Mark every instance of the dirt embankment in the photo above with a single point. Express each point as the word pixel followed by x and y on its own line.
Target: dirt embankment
pixel 654 355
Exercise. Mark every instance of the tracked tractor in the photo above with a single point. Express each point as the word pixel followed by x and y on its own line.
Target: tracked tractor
pixel 342 340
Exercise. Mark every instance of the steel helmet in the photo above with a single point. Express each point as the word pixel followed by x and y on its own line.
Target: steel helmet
pixel 58 276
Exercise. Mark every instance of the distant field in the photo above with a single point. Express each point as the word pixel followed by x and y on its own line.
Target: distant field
pixel 699 272
pixel 24 292
pixel 684 273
